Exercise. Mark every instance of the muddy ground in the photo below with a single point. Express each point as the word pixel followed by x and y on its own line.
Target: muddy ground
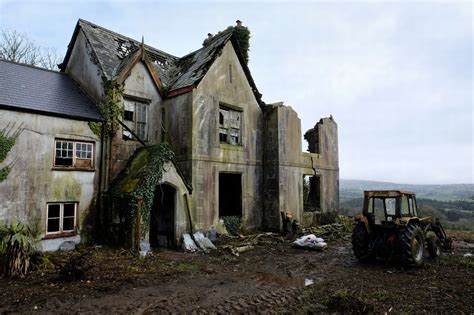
pixel 268 279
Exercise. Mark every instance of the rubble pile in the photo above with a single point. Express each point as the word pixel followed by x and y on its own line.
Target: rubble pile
pixel 330 232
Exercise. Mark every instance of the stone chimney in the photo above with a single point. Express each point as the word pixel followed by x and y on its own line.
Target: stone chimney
pixel 209 36
pixel 239 23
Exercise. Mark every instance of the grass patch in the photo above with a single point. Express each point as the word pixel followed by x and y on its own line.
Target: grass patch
pixel 344 301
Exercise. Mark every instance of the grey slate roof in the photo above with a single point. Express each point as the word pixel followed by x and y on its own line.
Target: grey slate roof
pixel 113 50
pixel 28 88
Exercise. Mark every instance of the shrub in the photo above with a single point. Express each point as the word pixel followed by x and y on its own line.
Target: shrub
pixel 18 244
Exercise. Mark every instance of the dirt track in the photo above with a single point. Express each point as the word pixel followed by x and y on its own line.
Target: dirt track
pixel 268 279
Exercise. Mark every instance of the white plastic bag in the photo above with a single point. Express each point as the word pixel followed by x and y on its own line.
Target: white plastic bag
pixel 310 241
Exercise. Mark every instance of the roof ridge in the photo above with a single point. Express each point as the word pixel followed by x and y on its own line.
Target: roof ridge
pixel 125 37
pixel 215 37
pixel 31 66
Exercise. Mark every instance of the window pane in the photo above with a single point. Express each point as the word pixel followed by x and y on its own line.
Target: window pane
pixel 405 205
pixel 390 203
pixel 89 155
pixel 58 144
pixel 68 224
pixel 69 146
pixel 69 209
pixel 53 211
pixel 53 225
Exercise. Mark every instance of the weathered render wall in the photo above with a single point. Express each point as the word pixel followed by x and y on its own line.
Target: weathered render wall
pixel 283 193
pixel 83 69
pixel 326 162
pixel 140 85
pixel 210 157
pixel 33 181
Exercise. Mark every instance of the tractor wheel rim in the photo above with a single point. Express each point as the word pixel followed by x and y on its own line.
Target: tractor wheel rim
pixel 417 249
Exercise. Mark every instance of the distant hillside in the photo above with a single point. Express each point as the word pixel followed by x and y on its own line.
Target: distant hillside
pixel 350 189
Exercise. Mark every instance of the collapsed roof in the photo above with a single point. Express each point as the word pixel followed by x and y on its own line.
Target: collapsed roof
pixel 113 51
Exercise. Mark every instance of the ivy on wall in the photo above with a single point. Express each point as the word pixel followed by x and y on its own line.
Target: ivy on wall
pixel 242 35
pixel 135 187
pixel 7 141
pixel 111 110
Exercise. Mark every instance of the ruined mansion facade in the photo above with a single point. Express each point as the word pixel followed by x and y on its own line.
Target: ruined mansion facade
pixel 235 155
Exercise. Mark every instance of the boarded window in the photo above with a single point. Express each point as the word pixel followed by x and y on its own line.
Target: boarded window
pixel 77 154
pixel 230 122
pixel 61 217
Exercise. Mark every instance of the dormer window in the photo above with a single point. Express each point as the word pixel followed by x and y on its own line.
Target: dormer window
pixel 230 126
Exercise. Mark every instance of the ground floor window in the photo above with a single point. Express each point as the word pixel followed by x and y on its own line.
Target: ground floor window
pixel 61 217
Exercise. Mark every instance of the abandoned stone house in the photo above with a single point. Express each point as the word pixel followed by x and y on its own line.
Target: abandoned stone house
pixel 234 155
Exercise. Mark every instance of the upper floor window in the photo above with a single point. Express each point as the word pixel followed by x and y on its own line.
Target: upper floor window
pixel 230 122
pixel 135 117
pixel 70 153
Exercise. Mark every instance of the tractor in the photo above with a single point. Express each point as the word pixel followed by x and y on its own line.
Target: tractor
pixel 389 227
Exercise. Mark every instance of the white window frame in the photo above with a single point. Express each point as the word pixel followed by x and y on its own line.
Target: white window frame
pixel 75 152
pixel 61 217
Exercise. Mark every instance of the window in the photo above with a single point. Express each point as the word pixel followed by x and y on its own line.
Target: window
pixel 135 118
pixel 61 218
pixel 74 154
pixel 229 126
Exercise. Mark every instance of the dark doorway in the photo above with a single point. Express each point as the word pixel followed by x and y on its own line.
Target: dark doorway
pixel 312 193
pixel 162 220
pixel 230 194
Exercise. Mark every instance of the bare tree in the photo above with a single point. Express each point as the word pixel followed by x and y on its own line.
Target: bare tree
pixel 18 47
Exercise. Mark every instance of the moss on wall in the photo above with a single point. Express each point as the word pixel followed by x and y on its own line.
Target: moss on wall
pixel 7 141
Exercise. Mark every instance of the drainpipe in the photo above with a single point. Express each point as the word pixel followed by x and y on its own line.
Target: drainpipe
pixel 100 205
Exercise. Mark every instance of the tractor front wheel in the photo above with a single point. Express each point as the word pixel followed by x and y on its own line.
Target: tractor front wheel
pixel 412 245
pixel 434 247
pixel 360 242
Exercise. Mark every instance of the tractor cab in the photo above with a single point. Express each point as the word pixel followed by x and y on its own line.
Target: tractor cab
pixel 384 207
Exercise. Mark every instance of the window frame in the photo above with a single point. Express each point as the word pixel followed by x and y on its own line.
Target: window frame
pixel 74 154
pixel 226 124
pixel 141 105
pixel 61 230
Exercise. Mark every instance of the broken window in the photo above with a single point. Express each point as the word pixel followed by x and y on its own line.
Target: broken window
pixel 312 193
pixel 61 218
pixel 74 154
pixel 135 118
pixel 230 126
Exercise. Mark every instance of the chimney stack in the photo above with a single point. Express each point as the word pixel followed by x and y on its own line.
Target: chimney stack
pixel 209 36
pixel 239 23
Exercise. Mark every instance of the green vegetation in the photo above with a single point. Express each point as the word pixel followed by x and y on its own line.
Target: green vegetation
pixel 7 141
pixel 111 110
pixel 242 35
pixel 17 244
pixel 135 187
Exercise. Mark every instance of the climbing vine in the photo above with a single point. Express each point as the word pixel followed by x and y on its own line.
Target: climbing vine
pixel 7 141
pixel 142 192
pixel 111 110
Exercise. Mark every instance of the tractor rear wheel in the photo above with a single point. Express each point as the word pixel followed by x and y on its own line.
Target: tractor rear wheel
pixel 412 245
pixel 434 247
pixel 360 242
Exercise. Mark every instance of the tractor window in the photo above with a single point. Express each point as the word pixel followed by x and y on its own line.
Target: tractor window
pixel 412 203
pixel 370 208
pixel 390 203
pixel 405 206
pixel 379 211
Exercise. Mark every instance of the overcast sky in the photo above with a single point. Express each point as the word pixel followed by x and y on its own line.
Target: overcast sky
pixel 396 76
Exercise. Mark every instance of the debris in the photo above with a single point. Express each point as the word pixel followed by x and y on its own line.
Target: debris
pixel 212 234
pixel 203 242
pixel 144 248
pixel 467 255
pixel 330 232
pixel 308 282
pixel 310 241
pixel 188 244
pixel 221 229
pixel 241 249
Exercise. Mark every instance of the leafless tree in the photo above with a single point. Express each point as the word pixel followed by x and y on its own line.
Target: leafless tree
pixel 18 47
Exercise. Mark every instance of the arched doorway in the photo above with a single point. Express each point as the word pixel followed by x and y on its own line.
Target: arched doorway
pixel 162 217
